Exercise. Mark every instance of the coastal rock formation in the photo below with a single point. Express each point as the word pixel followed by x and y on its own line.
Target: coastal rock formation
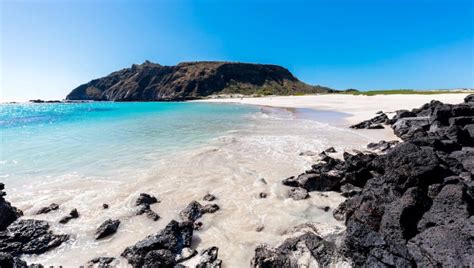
pixel 412 206
pixel 195 210
pixel 374 123
pixel 72 215
pixel 8 213
pixel 143 203
pixel 29 237
pixel 161 249
pixel 44 210
pixel 191 80
pixel 107 228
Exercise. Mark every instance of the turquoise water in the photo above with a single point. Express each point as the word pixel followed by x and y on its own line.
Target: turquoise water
pixel 102 139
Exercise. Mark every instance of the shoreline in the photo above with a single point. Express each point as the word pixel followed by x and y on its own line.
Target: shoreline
pixel 358 107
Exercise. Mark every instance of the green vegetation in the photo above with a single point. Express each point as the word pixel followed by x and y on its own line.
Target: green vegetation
pixel 404 91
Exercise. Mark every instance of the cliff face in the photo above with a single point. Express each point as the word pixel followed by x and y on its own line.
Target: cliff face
pixel 191 80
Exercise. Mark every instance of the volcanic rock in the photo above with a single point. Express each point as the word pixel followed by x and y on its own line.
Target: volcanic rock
pixel 8 213
pixel 107 228
pixel 29 237
pixel 44 210
pixel 161 248
pixel 72 215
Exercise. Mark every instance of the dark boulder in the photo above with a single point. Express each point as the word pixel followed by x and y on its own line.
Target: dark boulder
pixel 44 210
pixel 159 258
pixel 373 123
pixel 29 237
pixel 8 213
pixel 195 210
pixel 107 228
pixel 451 204
pixel 145 199
pixel 173 238
pixel 448 245
pixel 143 203
pixel 72 215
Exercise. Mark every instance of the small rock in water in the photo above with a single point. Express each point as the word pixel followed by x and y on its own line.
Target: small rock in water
pixel 210 208
pixel 209 197
pixel 298 193
pixel 192 211
pixel 143 202
pixel 262 195
pixel 330 150
pixel 145 199
pixel 44 210
pixel 326 208
pixel 72 215
pixel 105 206
pixel 260 228
pixel 263 181
pixel 107 228
pixel 101 262
pixel 195 210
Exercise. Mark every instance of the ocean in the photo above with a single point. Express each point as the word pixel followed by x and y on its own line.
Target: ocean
pixel 100 138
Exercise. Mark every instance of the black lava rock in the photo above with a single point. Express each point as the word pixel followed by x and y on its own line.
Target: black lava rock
pixel 107 228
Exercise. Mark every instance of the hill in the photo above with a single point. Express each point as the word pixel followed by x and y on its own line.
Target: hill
pixel 192 80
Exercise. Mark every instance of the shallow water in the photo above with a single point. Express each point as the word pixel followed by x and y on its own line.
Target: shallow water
pixel 83 155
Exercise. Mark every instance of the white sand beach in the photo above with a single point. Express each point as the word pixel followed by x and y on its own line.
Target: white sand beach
pixel 358 106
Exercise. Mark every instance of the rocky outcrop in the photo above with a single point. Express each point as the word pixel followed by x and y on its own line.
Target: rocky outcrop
pixel 29 237
pixel 143 203
pixel 411 206
pixel 107 228
pixel 195 210
pixel 74 214
pixel 8 213
pixel 191 80
pixel 44 210
pixel 374 123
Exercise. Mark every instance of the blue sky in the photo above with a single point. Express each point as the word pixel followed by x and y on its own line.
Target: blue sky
pixel 50 47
